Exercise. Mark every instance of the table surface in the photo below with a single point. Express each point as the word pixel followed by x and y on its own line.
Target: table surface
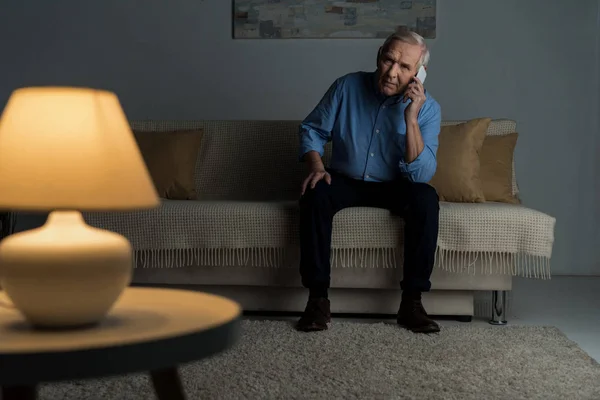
pixel 147 329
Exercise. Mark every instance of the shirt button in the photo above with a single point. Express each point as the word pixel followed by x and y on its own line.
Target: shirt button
pixel 377 131
pixel 372 154
pixel 383 106
pixel 367 176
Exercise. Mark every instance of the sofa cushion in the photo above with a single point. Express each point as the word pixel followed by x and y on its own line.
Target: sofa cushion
pixel 171 161
pixel 457 177
pixel 498 127
pixel 496 167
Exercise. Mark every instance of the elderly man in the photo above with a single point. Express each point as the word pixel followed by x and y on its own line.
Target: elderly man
pixel 384 129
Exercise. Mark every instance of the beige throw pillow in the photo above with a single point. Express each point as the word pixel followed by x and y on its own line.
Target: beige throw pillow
pixel 171 160
pixel 457 178
pixel 496 162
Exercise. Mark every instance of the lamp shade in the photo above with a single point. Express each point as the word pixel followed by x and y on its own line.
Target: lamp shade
pixel 70 148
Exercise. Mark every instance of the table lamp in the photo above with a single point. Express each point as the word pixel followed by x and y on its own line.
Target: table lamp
pixel 65 150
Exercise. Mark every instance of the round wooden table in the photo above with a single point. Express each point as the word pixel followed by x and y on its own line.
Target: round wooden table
pixel 148 329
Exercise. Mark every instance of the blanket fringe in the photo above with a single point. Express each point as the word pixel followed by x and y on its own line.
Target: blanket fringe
pixel 492 262
pixel 178 258
pixel 364 258
pixel 488 262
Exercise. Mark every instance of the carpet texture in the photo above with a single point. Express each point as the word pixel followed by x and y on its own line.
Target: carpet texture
pixel 375 361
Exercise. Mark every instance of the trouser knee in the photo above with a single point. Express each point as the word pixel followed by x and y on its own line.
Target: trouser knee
pixel 316 196
pixel 425 200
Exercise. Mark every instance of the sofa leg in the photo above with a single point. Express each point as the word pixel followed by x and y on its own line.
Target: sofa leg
pixel 498 307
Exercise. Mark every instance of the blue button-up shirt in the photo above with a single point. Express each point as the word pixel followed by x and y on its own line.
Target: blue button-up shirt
pixel 368 131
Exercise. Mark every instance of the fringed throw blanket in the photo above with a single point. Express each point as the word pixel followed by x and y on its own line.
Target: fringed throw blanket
pixel 497 237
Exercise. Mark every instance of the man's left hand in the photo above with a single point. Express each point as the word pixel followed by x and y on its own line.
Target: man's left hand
pixel 416 93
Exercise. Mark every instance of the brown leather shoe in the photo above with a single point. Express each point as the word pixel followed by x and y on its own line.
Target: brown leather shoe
pixel 413 316
pixel 316 315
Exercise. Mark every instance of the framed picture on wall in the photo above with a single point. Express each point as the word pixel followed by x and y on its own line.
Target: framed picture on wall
pixel 327 19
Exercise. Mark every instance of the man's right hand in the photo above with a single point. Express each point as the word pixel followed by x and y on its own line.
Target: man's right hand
pixel 316 171
pixel 314 177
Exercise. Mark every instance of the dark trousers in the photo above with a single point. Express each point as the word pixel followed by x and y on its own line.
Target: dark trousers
pixel 416 203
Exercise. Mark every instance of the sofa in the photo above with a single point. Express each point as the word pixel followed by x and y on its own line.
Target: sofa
pixel 238 236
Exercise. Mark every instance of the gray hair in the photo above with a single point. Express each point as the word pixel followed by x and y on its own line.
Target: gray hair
pixel 410 37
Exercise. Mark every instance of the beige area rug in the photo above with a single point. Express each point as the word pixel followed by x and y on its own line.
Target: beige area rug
pixel 374 361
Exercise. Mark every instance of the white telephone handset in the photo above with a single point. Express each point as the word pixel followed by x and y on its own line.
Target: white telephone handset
pixel 422 74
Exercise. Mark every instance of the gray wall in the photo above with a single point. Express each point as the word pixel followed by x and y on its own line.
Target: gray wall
pixel 535 61
pixel 597 147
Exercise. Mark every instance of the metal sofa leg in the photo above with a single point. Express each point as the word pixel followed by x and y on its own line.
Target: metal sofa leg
pixel 498 307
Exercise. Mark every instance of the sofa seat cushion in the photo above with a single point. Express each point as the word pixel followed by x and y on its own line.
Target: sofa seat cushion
pixel 472 229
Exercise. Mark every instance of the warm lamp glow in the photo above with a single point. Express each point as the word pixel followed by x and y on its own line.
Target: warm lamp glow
pixel 70 148
pixel 67 150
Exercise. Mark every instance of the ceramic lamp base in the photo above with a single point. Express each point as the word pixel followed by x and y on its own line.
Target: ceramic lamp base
pixel 65 273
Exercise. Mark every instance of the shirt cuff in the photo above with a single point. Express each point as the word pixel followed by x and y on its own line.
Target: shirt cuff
pixel 305 149
pixel 417 169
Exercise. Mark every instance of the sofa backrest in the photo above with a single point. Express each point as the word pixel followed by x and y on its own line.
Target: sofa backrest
pixel 256 160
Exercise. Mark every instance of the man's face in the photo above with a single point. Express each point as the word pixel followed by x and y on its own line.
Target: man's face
pixel 396 66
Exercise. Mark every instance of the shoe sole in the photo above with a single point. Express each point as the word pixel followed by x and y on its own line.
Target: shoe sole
pixel 419 330
pixel 312 328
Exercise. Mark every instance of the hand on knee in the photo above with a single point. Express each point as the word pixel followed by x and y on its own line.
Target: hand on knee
pixel 315 178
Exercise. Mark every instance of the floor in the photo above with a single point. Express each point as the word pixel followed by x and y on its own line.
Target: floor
pixel 572 304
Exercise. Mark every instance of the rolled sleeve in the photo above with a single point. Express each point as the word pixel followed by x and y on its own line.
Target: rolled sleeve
pixel 422 168
pixel 315 129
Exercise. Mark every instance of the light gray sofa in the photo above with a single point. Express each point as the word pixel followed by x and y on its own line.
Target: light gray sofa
pixel 239 239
